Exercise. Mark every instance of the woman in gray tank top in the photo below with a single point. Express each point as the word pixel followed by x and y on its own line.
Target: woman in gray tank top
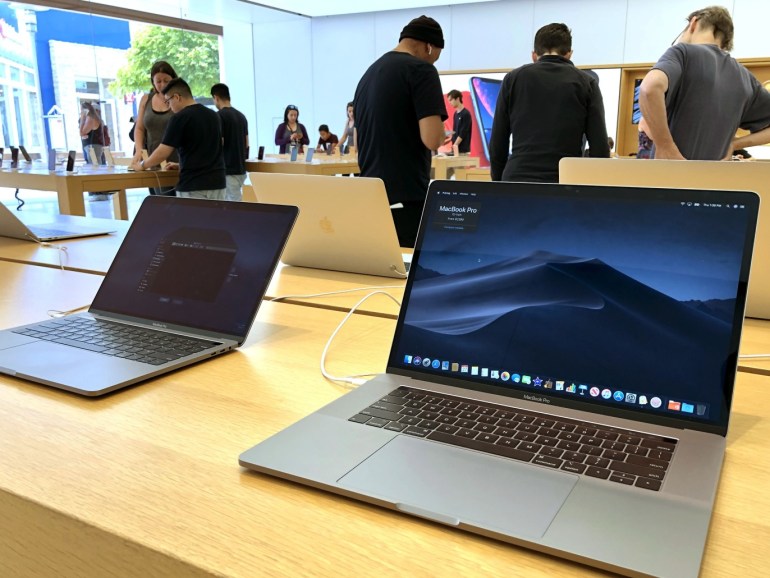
pixel 153 117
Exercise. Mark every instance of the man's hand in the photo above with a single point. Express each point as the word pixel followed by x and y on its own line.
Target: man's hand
pixel 668 153
pixel 171 167
pixel 136 164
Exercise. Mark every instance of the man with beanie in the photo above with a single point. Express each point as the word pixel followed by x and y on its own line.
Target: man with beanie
pixel 400 115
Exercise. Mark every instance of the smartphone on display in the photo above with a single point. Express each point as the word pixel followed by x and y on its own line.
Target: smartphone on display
pixel 309 156
pixel 14 157
pixel 51 159
pixel 70 161
pixel 25 154
pixel 261 153
pixel 484 93
pixel 294 153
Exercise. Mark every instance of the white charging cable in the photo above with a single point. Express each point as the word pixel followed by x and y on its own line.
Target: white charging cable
pixel 358 379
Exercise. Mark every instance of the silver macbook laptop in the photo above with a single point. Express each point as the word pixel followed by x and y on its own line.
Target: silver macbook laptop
pixel 560 377
pixel 12 226
pixel 743 176
pixel 185 285
pixel 344 224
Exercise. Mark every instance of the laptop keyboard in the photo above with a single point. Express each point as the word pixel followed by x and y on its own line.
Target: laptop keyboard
pixel 117 339
pixel 618 455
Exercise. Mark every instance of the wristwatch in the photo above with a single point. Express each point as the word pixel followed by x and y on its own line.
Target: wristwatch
pixel 141 164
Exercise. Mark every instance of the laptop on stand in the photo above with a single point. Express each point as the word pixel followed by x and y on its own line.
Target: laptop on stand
pixel 184 286
pixel 560 377
pixel 345 224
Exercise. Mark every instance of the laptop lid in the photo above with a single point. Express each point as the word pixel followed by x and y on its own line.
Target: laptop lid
pixel 746 176
pixel 620 301
pixel 59 229
pixel 344 224
pixel 196 265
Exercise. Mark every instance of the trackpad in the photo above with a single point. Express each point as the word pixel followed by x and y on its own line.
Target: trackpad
pixel 452 485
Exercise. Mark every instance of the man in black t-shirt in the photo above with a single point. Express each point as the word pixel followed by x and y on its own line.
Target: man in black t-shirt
pixel 235 138
pixel 461 124
pixel 196 133
pixel 400 115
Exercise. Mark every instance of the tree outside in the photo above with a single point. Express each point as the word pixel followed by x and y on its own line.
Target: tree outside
pixel 194 56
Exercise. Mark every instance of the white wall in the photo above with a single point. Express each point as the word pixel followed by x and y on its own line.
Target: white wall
pixel 321 72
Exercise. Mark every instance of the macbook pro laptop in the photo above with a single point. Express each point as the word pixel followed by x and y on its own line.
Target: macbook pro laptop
pixel 185 285
pixel 59 229
pixel 745 176
pixel 560 377
pixel 345 224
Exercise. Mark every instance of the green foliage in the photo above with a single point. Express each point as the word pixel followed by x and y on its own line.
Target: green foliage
pixel 194 56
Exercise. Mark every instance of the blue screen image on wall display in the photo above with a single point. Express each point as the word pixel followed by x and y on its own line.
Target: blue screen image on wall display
pixel 484 93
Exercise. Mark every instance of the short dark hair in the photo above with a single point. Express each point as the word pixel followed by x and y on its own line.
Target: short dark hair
pixel 456 94
pixel 553 37
pixel 719 19
pixel 220 90
pixel 178 86
pixel 323 128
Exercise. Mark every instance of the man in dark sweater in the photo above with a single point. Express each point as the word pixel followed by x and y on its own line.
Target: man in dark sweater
pixel 196 133
pixel 547 107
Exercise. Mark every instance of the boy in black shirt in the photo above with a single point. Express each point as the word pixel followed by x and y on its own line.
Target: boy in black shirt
pixel 235 139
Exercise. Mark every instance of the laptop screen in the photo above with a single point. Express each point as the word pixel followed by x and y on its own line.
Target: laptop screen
pixel 630 300
pixel 196 263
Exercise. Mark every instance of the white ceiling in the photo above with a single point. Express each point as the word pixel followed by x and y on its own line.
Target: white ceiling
pixel 315 8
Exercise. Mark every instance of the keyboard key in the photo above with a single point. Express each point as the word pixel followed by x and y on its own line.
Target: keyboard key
pixel 454 412
pixel 574 467
pixel 637 470
pixel 488 419
pixel 485 411
pixel 409 411
pixel 489 438
pixel 525 437
pixel 409 420
pixel 485 427
pixel 448 429
pixel 544 422
pixel 545 440
pixel 377 422
pixel 395 426
pixel 598 462
pixel 648 484
pixel 636 450
pixel 659 465
pixel 585 431
pixel 469 423
pixel 359 418
pixel 631 440
pixel 565 427
pixel 429 424
pixel 628 481
pixel 595 472
pixel 591 450
pixel 506 432
pixel 613 455
pixel 569 436
pixel 659 455
pixel 546 431
pixel 574 457
pixel 508 442
pixel 419 432
pixel 591 441
pixel 447 419
pixel 569 446
pixel 496 449
pixel 527 427
pixel 466 433
pixel 530 447
pixel 658 445
pixel 391 407
pixel 388 415
pixel 431 415
pixel 610 445
pixel 542 460
pixel 552 452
